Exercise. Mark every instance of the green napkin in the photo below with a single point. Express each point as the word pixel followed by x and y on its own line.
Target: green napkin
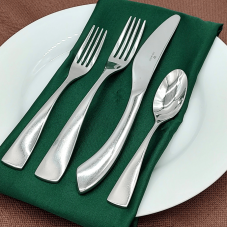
pixel 187 51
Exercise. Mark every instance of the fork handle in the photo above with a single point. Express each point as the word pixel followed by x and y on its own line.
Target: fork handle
pixel 21 149
pixel 57 158
pixel 124 188
pixel 91 172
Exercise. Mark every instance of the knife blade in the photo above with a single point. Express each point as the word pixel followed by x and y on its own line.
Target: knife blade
pixel 91 172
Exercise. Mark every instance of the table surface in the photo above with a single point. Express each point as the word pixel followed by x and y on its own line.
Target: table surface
pixel 208 209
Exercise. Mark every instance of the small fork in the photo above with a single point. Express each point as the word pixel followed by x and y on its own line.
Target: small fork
pixel 56 160
pixel 21 149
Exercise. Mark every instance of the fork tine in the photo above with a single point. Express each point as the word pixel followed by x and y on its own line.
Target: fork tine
pixel 97 51
pixel 136 42
pixel 131 40
pixel 88 48
pixel 126 39
pixel 121 37
pixel 84 44
pixel 93 48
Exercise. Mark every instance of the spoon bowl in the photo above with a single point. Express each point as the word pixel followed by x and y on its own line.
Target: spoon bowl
pixel 170 95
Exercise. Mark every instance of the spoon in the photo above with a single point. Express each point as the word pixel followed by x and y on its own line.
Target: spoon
pixel 168 101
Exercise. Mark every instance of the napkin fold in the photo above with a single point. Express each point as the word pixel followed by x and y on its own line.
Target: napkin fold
pixel 187 51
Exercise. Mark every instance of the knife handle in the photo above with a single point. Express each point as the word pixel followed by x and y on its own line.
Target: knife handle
pixel 91 172
pixel 56 160
pixel 124 188
pixel 21 149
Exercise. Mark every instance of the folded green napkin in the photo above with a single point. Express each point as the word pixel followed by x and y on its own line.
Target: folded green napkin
pixel 187 51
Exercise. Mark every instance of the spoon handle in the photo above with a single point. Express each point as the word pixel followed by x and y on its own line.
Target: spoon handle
pixel 123 189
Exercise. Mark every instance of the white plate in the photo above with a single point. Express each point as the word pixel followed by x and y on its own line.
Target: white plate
pixel 196 156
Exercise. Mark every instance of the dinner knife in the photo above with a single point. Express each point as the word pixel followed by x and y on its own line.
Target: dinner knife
pixel 91 172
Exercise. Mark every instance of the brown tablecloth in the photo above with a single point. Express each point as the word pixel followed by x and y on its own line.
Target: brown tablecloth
pixel 208 209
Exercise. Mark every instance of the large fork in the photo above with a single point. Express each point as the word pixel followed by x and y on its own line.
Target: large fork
pixel 23 146
pixel 56 160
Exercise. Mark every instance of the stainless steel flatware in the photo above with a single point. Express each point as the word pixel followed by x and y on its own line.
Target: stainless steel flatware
pixel 56 160
pixel 23 146
pixel 168 101
pixel 91 172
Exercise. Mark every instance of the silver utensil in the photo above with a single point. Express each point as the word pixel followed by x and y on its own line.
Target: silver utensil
pixel 91 172
pixel 168 101
pixel 23 146
pixel 56 160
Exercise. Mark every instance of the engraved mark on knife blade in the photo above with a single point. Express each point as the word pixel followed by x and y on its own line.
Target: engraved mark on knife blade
pixel 153 56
